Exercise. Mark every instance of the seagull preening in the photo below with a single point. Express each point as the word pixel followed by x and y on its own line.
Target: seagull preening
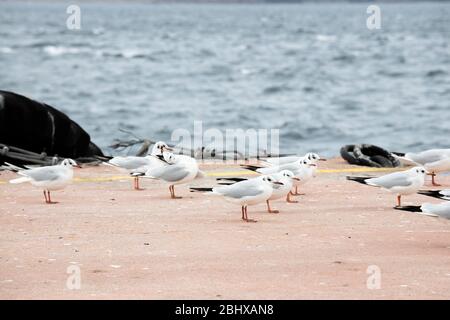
pixel 179 169
pixel 433 160
pixel 49 178
pixel 134 164
pixel 440 194
pixel 287 179
pixel 245 193
pixel 304 169
pixel 434 210
pixel 400 183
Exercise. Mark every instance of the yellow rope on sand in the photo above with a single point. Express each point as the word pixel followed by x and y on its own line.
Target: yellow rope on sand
pixel 233 174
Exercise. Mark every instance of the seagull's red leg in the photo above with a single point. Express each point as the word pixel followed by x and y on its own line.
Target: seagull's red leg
pixel 288 198
pixel 50 199
pixel 246 216
pixel 269 209
pixel 45 196
pixel 297 193
pixel 243 213
pixel 172 193
pixel 399 201
pixel 433 180
pixel 136 184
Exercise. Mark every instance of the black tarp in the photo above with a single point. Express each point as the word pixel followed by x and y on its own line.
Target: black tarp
pixel 38 127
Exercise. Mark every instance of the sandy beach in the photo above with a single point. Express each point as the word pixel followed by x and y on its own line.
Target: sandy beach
pixel 142 245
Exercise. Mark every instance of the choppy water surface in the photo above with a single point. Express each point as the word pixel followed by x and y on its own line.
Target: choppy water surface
pixel 314 71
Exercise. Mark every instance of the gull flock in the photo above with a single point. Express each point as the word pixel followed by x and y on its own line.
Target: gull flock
pixel 280 178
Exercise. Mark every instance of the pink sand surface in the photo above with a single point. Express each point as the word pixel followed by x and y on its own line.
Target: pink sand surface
pixel 143 245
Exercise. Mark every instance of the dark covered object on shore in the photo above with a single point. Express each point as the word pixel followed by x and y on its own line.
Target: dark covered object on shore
pixel 369 155
pixel 38 127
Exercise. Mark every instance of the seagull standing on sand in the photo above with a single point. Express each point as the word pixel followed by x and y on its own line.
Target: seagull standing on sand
pixel 434 161
pixel 49 178
pixel 287 179
pixel 133 164
pixel 440 194
pixel 430 209
pixel 180 169
pixel 400 183
pixel 313 157
pixel 245 193
pixel 303 169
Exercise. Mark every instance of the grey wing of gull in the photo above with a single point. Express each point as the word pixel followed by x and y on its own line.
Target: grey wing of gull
pixel 129 162
pixel 290 166
pixel 170 173
pixel 441 209
pixel 283 160
pixel 398 179
pixel 43 174
pixel 239 190
pixel 430 156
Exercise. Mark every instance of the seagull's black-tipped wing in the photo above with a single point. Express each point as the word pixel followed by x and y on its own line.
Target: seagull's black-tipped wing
pixel 358 179
pixel 410 208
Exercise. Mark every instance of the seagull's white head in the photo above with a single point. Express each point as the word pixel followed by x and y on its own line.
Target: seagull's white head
pixel 169 157
pixel 271 181
pixel 69 163
pixel 288 174
pixel 313 157
pixel 159 148
pixel 419 171
pixel 305 162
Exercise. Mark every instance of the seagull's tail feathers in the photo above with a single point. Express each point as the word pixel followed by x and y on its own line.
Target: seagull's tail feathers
pixel 20 180
pixel 10 167
pixel 109 164
pixel 137 174
pixel 231 179
pixel 251 168
pixel 200 174
pixel 358 179
pixel 410 208
pixel 432 193
pixel 422 210
pixel 193 189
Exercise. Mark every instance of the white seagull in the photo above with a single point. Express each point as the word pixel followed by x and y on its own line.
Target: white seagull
pixel 287 179
pixel 180 169
pixel 433 160
pixel 440 194
pixel 245 193
pixel 434 210
pixel 133 164
pixel 400 183
pixel 313 157
pixel 49 178
pixel 303 169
